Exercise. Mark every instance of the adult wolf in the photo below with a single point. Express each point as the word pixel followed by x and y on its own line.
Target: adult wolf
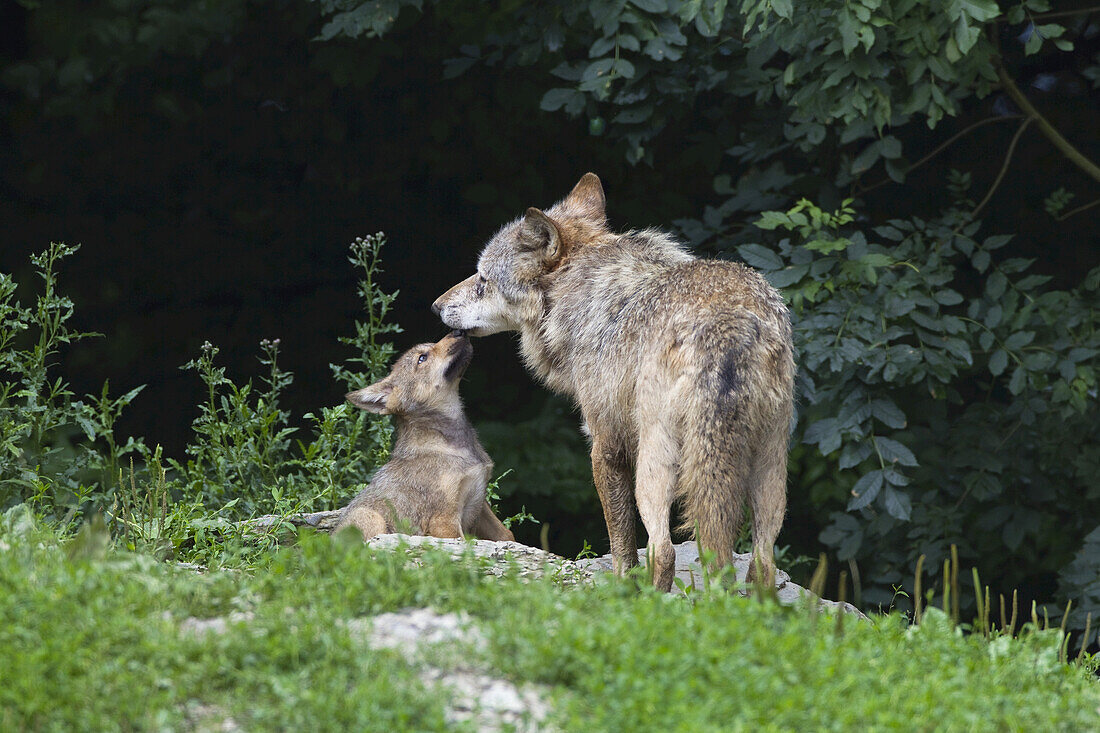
pixel 682 369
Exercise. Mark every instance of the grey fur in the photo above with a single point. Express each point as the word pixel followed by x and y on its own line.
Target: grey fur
pixel 682 368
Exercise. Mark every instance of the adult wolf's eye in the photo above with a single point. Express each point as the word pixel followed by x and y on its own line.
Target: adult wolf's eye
pixel 480 289
pixel 422 358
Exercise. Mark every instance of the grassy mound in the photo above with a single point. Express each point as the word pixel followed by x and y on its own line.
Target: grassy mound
pixel 97 639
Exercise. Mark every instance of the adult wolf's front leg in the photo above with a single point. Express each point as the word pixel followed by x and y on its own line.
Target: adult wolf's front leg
pixel 611 473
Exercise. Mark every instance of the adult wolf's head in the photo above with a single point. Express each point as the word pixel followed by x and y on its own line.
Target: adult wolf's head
pixel 508 289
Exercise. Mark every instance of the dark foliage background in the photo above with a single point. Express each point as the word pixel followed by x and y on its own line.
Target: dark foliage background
pixel 216 158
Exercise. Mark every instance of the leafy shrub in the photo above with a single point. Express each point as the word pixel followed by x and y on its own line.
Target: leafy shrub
pixel 948 390
pixel 42 459
pixel 243 460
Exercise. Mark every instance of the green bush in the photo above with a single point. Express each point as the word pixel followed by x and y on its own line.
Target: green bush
pixel 42 457
pixel 947 388
pixel 244 450
pixel 61 455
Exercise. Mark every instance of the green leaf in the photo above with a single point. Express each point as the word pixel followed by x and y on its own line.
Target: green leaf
pixel 993 317
pixel 1018 382
pixel 948 297
pixel 876 259
pixel 854 454
pixel 979 10
pixel 965 35
pixel 1033 44
pixel 600 69
pixel 897 503
pixel 554 99
pixel 995 285
pixel 1019 340
pixel 1050 30
pixel 787 276
pixel 867 157
pixel 894 452
pixel 783 8
pixel 819 431
pixel 889 232
pixel 87 426
pixel 760 257
pixel 998 362
pixel 849 32
pixel 865 490
pixel 886 412
pixel 891 147
pixel 624 68
pixel 601 46
pixel 650 6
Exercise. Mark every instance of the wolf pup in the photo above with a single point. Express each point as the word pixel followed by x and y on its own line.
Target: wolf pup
pixel 683 370
pixel 436 476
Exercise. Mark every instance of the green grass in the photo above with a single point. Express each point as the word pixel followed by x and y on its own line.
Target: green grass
pixel 92 640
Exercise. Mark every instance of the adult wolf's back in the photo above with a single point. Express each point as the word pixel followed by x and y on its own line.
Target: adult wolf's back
pixel 682 369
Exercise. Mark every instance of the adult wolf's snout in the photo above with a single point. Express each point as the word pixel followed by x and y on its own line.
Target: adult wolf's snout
pixel 437 307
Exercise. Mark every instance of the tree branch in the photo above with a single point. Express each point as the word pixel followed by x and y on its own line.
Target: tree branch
pixel 1078 210
pixel 1064 13
pixel 940 148
pixel 1047 129
pixel 1004 168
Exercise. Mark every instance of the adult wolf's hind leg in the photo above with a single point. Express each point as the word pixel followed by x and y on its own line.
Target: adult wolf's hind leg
pixel 768 498
pixel 655 491
pixel 488 527
pixel 611 473
pixel 444 526
pixel 369 522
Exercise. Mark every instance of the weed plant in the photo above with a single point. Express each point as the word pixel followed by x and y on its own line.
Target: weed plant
pixel 61 455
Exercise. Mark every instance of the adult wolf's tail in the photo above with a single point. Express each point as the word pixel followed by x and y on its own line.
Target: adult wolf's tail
pixel 736 432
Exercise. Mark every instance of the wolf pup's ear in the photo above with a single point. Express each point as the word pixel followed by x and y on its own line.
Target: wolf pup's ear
pixel 372 398
pixel 587 198
pixel 541 234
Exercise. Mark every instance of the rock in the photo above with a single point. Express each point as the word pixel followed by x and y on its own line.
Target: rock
pixel 526 560
pixel 217 625
pixel 203 718
pixel 408 630
pixel 533 562
pixel 490 703
pixel 690 572
pixel 324 521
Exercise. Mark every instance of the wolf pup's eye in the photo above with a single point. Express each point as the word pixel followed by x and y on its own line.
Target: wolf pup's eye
pixel 422 358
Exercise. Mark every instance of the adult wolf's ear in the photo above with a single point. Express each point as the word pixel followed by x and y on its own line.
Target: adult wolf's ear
pixel 373 398
pixel 587 198
pixel 540 234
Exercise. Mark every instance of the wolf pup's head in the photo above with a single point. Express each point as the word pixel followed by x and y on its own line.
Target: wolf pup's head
pixel 424 378
pixel 507 291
